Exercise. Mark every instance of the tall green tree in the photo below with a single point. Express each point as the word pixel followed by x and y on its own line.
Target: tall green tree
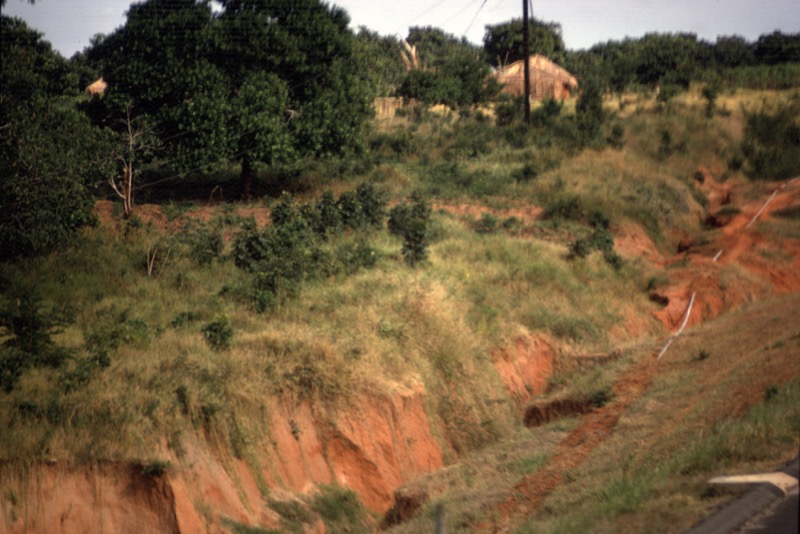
pixel 503 43
pixel 50 156
pixel 262 82
pixel 452 71
pixel 733 51
pixel 778 47
pixel 382 55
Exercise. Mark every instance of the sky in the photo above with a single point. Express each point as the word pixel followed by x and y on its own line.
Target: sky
pixel 70 24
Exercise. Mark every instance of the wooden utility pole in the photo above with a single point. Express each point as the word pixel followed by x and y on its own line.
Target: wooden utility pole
pixel 527 63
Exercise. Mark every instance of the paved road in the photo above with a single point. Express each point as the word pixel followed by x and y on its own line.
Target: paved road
pixel 762 510
pixel 780 518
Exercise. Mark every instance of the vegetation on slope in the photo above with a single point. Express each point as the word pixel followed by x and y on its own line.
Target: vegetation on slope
pixel 405 264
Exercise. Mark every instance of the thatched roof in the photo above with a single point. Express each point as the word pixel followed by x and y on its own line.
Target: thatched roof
pixel 548 80
pixel 98 87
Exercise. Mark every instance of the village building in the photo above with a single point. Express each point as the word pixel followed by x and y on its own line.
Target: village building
pixel 547 80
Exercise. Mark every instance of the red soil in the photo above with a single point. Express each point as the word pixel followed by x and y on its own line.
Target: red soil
pixel 381 441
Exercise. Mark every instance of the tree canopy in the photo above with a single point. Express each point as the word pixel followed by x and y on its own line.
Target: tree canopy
pixel 262 82
pixel 50 155
pixel 452 71
pixel 504 43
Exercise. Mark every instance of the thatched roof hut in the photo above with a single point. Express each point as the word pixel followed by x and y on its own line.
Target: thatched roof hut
pixel 97 88
pixel 548 80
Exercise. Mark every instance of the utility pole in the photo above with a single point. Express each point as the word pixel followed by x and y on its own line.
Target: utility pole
pixel 527 62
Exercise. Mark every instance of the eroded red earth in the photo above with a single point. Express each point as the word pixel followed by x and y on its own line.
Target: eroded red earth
pixel 379 446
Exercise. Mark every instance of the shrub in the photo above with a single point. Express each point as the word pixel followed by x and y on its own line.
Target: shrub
pixel 329 217
pixel 373 205
pixel 356 255
pixel 156 468
pixel 411 221
pixel 351 211
pixel 487 224
pixel 283 211
pixel 566 208
pixel 600 397
pixel 205 244
pixel 616 138
pixel 771 145
pixel 28 328
pixel 219 332
pixel 341 510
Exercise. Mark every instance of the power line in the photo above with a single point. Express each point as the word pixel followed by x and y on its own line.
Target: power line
pixel 475 17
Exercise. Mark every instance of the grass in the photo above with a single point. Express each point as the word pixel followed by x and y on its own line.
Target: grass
pixel 190 361
pixel 717 408
pixel 468 490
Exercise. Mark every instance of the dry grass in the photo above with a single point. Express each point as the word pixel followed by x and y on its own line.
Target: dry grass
pixel 702 416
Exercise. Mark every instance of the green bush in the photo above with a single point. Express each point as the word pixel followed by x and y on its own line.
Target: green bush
pixel 372 204
pixel 487 224
pixel 411 221
pixel 28 328
pixel 356 255
pixel 341 510
pixel 219 332
pixel 568 208
pixel 205 243
pixel 771 145
pixel 329 218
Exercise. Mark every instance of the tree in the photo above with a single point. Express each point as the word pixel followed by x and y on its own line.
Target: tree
pixel 452 71
pixel 777 47
pixel 670 59
pixel 503 43
pixel 382 54
pixel 733 51
pixel 50 155
pixel 263 82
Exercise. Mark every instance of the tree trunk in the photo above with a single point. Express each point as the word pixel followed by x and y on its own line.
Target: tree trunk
pixel 247 179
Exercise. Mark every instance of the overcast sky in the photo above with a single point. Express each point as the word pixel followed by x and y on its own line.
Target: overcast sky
pixel 70 24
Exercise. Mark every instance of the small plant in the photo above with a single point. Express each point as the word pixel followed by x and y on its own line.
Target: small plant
pixel 770 392
pixel 27 328
pixel 702 355
pixel 487 224
pixel 156 468
pixel 328 216
pixel 710 93
pixel 616 139
pixel 219 332
pixel 341 510
pixel 183 318
pixel 205 244
pixel 600 397
pixel 665 148
pixel 411 221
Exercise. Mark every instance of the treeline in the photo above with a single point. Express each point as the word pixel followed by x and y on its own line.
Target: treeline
pixel 679 59
pixel 270 83
pixel 449 64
